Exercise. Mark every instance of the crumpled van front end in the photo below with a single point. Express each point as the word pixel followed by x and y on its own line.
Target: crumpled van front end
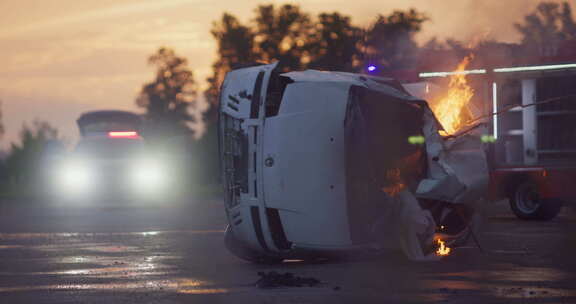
pixel 283 163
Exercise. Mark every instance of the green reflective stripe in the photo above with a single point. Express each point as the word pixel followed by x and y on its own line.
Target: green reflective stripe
pixel 416 140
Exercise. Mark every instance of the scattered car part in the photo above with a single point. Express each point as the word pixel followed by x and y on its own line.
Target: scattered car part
pixel 274 279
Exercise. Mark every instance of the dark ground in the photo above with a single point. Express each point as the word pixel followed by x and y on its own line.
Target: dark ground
pixel 175 255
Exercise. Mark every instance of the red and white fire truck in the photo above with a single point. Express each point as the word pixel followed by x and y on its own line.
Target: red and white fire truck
pixel 531 113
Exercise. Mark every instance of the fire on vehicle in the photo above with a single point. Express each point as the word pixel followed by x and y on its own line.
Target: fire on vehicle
pixel 320 164
pixel 531 112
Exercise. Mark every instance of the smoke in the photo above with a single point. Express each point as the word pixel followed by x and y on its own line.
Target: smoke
pixel 459 19
pixel 465 20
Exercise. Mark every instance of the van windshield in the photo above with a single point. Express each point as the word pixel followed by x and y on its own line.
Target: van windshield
pixel 381 160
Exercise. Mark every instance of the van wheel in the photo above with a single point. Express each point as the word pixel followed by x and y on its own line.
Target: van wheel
pixel 241 251
pixel 526 203
pixel 458 222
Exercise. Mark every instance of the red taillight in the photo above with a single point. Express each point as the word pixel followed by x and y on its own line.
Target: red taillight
pixel 123 134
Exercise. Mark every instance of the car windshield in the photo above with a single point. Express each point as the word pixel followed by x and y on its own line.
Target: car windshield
pixel 110 148
pixel 106 126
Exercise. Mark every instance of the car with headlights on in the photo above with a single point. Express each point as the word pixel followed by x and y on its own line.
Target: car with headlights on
pixel 110 161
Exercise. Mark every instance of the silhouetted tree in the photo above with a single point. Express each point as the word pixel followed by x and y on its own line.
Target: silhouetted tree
pixel 550 24
pixel 281 34
pixel 235 46
pixel 390 40
pixel 24 158
pixel 335 44
pixel 171 103
pixel 328 42
pixel 289 35
pixel 1 124
pixel 274 34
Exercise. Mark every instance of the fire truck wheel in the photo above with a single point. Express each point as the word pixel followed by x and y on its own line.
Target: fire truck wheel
pixel 238 249
pixel 527 205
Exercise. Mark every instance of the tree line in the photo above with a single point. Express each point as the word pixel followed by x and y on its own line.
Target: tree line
pixel 173 105
pixel 327 41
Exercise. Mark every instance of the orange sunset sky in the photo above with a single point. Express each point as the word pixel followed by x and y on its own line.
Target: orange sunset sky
pixel 59 58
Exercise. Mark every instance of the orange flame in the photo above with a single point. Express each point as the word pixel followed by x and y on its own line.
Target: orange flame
pixel 451 110
pixel 442 250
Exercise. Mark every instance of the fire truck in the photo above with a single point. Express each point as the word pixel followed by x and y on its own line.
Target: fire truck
pixel 531 113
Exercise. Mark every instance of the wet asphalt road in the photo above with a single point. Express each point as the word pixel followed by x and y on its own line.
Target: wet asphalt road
pixel 134 254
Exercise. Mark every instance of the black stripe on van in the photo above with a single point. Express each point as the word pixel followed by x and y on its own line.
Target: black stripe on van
pixel 255 105
pixel 258 227
pixel 277 230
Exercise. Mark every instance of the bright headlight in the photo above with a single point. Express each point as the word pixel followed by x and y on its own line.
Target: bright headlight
pixel 75 176
pixel 149 176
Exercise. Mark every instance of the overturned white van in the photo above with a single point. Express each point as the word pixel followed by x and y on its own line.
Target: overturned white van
pixel 317 164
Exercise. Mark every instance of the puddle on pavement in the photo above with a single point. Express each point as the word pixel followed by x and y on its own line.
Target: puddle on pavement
pixel 120 269
pixel 126 265
pixel 512 274
pixel 527 274
pixel 184 286
pixel 111 248
pixel 452 284
pixel 19 236
pixel 506 283
pixel 10 246
pixel 95 248
pixel 191 286
pixel 129 272
pixel 533 292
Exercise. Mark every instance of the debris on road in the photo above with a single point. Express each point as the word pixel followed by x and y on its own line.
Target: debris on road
pixel 274 279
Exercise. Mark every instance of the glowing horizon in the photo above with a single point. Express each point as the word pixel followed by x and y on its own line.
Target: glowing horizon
pixel 62 58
